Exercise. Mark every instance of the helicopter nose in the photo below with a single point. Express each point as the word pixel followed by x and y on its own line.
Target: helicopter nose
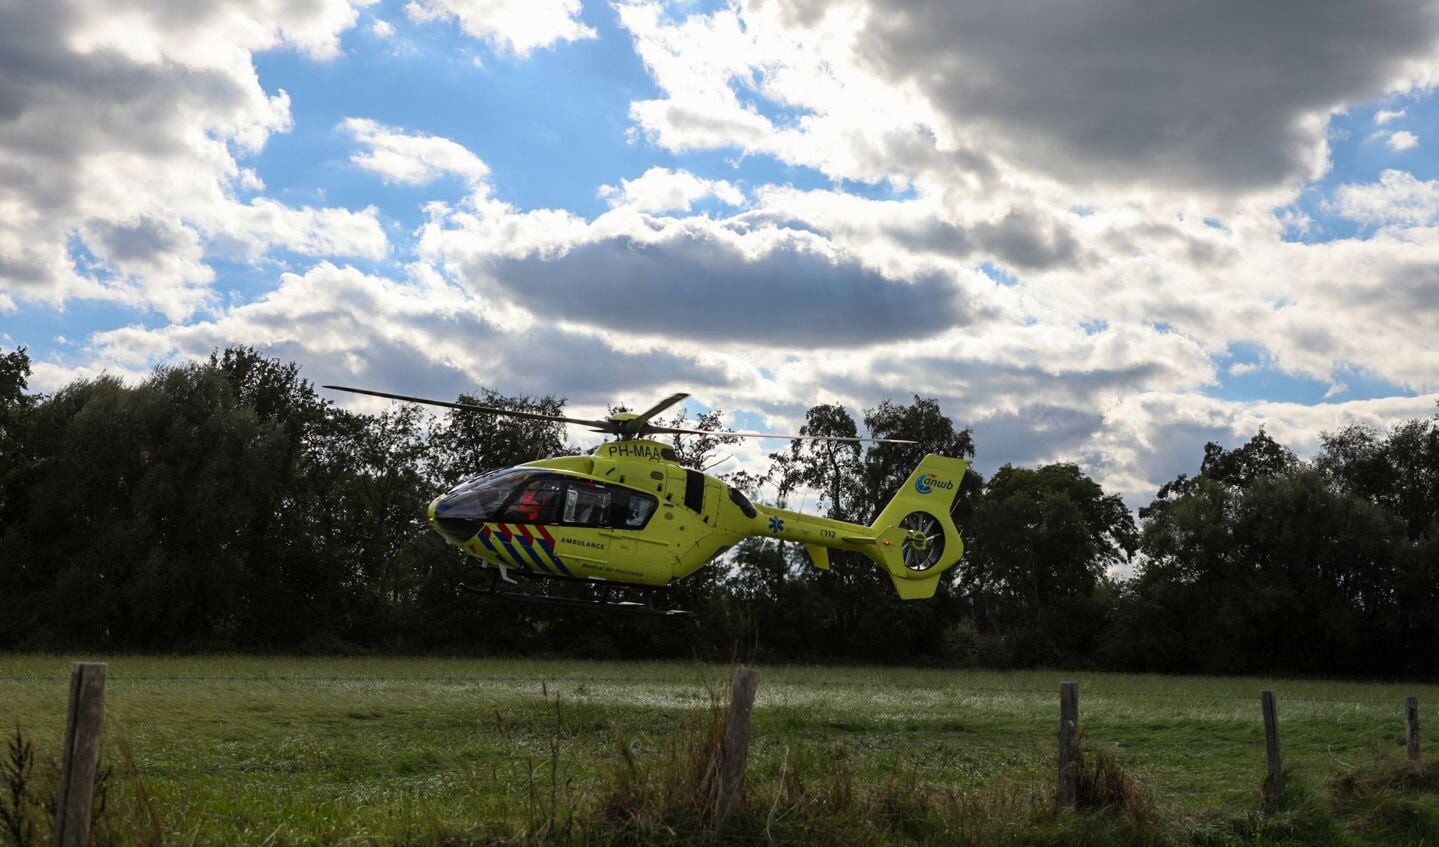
pixel 454 517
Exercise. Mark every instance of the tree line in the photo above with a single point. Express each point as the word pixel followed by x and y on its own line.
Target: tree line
pixel 224 505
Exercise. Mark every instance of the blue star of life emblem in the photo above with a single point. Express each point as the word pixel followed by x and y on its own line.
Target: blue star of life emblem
pixel 776 525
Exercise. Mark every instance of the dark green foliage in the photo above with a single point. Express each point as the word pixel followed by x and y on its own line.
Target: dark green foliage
pixel 1044 542
pixel 224 505
pixel 1261 562
pixel 218 504
pixel 467 444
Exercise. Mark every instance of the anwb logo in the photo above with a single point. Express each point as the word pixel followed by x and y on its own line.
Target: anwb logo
pixel 929 482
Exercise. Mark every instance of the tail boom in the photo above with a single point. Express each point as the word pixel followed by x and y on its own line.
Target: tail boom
pixel 914 539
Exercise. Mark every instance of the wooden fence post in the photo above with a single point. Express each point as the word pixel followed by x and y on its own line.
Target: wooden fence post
pixel 1411 727
pixel 1068 745
pixel 1274 781
pixel 735 748
pixel 81 754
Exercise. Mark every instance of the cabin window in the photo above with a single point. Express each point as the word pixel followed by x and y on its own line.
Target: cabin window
pixel 587 504
pixel 636 512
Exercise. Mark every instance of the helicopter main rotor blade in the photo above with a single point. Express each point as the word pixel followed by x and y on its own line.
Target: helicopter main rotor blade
pixel 602 426
pixel 669 401
pixel 669 430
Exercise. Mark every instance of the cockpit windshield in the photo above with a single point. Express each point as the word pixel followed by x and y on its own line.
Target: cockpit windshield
pixel 481 498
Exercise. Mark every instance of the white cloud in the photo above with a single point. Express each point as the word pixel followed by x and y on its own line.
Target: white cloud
pixel 412 158
pixel 519 26
pixel 1402 140
pixel 382 28
pixel 822 106
pixel 213 35
pixel 1384 116
pixel 265 224
pixel 123 126
pixel 1397 198
pixel 662 190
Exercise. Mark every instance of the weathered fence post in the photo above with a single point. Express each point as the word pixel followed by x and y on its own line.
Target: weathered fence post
pixel 81 754
pixel 1411 727
pixel 735 747
pixel 1274 781
pixel 1068 745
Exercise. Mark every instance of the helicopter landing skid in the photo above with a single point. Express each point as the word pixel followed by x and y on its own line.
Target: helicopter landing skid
pixel 603 604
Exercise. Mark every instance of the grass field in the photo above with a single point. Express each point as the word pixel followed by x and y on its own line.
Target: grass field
pixel 228 750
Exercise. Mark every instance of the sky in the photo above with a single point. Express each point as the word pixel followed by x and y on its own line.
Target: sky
pixel 1102 232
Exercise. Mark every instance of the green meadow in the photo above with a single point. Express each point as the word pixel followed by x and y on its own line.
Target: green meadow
pixel 236 750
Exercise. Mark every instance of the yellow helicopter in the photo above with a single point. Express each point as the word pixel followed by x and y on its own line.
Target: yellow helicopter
pixel 629 515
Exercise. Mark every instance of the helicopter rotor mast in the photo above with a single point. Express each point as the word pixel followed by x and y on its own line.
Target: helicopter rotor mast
pixel 624 425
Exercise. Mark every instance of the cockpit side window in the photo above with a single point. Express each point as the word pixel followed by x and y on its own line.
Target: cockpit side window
pixel 536 501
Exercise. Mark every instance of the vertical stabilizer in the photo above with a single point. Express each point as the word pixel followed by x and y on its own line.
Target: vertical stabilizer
pixel 917 540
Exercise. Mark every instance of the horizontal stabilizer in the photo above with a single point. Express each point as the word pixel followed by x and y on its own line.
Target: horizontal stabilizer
pixel 818 555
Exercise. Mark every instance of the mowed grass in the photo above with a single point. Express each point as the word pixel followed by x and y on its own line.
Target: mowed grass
pixel 228 750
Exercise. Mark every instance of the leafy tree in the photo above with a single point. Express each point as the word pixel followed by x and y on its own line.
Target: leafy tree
pixel 143 509
pixel 467 444
pixel 223 504
pixel 14 376
pixel 1263 562
pixel 1398 472
pixel 831 468
pixel 887 466
pixel 1045 540
pixel 698 451
pixel 15 406
pixel 1260 456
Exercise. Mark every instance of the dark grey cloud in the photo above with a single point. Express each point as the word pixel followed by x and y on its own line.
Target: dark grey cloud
pixel 1206 95
pixel 390 347
pixel 1035 434
pixel 1019 239
pixel 698 287
pixel 1408 293
pixel 985 380
pixel 580 368
pixel 141 241
pixel 57 104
